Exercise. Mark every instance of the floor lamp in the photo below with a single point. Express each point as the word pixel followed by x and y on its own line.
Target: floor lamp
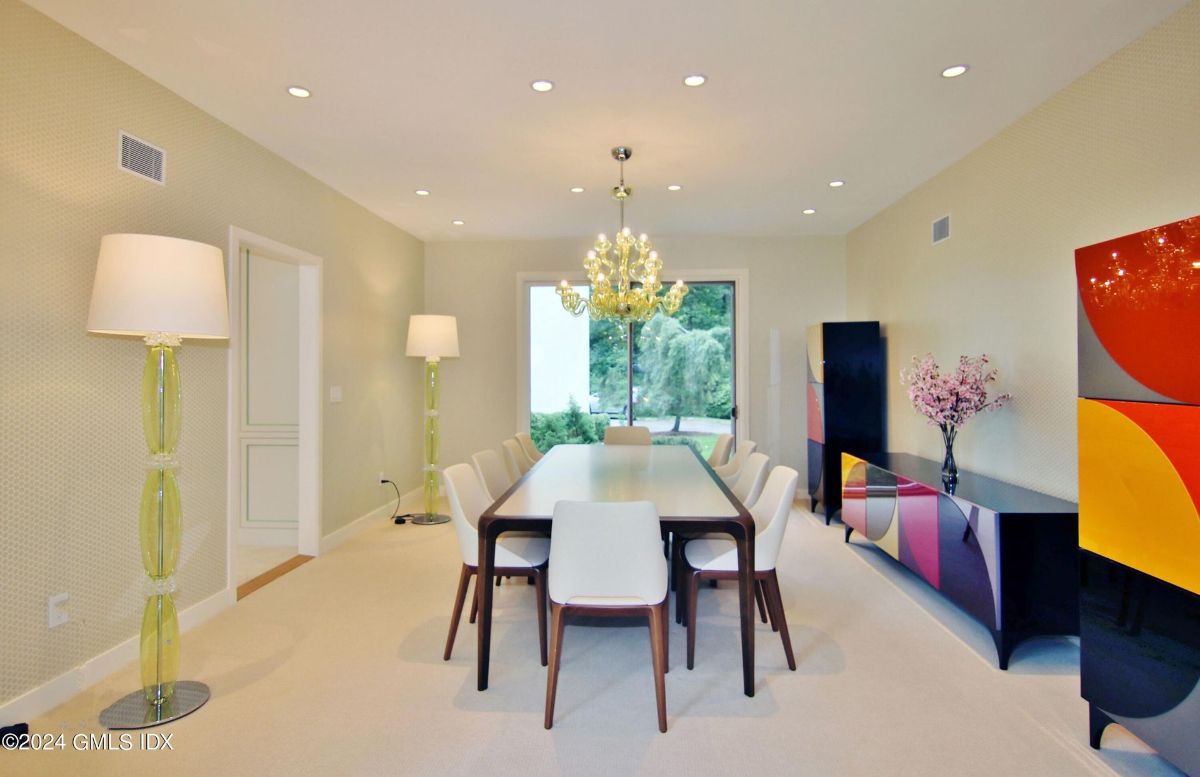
pixel 162 289
pixel 435 338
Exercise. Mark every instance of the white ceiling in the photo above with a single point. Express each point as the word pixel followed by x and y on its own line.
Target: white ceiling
pixel 436 95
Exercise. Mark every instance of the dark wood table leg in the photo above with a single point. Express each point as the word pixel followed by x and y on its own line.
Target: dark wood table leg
pixel 483 590
pixel 745 553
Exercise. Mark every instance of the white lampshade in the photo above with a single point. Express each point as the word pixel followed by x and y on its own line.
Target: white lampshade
pixel 149 283
pixel 434 337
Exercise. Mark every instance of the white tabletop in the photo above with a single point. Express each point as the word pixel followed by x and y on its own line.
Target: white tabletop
pixel 670 476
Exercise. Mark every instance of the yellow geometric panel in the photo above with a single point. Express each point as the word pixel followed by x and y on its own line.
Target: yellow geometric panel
pixel 848 462
pixel 890 541
pixel 816 352
pixel 1133 506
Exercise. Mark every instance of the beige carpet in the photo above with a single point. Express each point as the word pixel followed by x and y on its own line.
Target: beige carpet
pixel 336 669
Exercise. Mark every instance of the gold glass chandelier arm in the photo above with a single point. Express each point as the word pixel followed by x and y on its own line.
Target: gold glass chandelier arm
pixel 572 301
pixel 644 266
pixel 674 298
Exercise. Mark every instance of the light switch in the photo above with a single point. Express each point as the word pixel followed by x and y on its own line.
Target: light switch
pixel 335 393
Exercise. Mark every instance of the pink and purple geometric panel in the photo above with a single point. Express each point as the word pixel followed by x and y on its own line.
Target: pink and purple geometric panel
pixel 919 529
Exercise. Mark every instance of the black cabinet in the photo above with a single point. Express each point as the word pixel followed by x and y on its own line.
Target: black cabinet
pixel 1003 553
pixel 845 404
pixel 1140 657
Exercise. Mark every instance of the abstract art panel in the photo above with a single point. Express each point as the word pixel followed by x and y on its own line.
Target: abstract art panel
pixel 1139 643
pixel 1139 487
pixel 1138 299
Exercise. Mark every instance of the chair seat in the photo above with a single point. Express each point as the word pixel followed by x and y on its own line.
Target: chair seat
pixel 718 555
pixel 522 550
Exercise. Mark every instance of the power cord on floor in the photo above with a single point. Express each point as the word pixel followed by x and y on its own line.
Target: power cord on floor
pixel 396 517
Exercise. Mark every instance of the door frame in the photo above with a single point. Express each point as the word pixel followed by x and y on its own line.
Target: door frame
pixel 740 278
pixel 311 272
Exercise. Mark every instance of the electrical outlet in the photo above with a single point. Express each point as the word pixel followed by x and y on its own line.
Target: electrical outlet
pixel 382 478
pixel 56 613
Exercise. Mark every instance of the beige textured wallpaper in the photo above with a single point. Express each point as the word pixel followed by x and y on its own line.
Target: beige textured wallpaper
pixel 71 453
pixel 1115 152
pixel 793 282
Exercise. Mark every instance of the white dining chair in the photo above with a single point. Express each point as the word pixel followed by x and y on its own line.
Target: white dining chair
pixel 716 559
pixel 720 451
pixel 523 555
pixel 729 472
pixel 746 488
pixel 749 483
pixel 492 472
pixel 606 560
pixel 518 462
pixel 528 447
pixel 627 435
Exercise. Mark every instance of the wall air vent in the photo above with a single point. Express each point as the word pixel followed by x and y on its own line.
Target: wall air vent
pixel 941 230
pixel 143 159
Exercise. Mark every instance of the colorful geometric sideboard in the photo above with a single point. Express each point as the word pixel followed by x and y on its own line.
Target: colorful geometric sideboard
pixel 1139 486
pixel 1006 555
pixel 845 403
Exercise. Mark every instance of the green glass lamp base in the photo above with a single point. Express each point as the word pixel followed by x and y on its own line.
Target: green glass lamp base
pixel 133 711
pixel 429 519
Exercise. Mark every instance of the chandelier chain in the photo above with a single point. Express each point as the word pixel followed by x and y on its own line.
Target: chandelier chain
pixel 621 200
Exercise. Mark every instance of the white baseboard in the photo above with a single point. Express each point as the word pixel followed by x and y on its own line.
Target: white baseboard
pixel 381 513
pixel 46 697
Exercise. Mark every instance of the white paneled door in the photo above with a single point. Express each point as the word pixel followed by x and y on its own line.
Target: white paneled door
pixel 270 425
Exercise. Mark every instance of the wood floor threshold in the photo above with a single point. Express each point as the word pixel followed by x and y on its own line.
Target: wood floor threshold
pixel 255 583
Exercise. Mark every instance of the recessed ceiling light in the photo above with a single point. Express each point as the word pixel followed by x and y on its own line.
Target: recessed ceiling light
pixel 837 184
pixel 458 222
pixel 422 192
pixel 695 79
pixel 299 91
pixel 809 211
pixel 576 190
pixel 674 187
pixel 541 85
pixel 955 71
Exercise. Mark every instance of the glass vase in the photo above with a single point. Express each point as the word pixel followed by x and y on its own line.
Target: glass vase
pixel 949 467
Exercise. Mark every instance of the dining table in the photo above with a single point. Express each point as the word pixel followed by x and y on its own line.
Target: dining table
pixel 689 496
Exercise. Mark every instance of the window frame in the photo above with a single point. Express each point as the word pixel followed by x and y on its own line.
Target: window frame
pixel 740 278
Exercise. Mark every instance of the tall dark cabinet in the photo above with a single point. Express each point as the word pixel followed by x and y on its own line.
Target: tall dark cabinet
pixel 845 404
pixel 1139 487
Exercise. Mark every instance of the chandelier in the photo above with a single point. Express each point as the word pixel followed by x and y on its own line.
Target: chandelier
pixel 623 273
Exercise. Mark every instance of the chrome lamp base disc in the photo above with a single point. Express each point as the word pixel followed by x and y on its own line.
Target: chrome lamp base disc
pixel 429 519
pixel 133 711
